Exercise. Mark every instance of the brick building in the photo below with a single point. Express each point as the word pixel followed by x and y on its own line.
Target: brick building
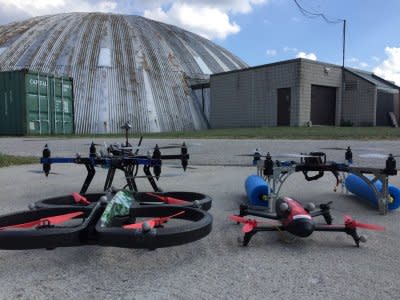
pixel 294 92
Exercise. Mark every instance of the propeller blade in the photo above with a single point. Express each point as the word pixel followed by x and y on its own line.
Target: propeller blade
pixel 179 167
pixel 95 144
pixel 154 176
pixel 377 155
pixel 138 225
pixel 187 145
pixel 238 219
pixel 355 148
pixel 42 172
pixel 295 155
pixel 351 223
pixel 63 218
pixel 373 155
pixel 280 155
pixel 52 220
pixel 370 226
pixel 248 227
pixel 249 224
pixel 148 147
pixel 153 222
pixel 333 148
pixel 78 198
pixel 169 200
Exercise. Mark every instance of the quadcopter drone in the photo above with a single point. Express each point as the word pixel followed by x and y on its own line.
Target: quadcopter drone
pixel 292 217
pixel 122 157
pixel 119 218
pixel 276 172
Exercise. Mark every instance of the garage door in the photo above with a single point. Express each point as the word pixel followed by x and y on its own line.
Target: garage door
pixel 323 105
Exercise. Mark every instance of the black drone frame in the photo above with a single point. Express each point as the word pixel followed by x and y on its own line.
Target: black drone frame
pixel 324 210
pixel 87 229
pixel 128 163
pixel 277 172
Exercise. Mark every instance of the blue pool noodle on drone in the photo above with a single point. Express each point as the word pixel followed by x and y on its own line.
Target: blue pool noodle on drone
pixel 256 188
pixel 360 188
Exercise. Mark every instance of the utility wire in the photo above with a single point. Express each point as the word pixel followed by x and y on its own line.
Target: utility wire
pixel 312 15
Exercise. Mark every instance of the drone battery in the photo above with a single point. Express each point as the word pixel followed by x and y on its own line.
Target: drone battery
pixel 257 190
pixel 359 187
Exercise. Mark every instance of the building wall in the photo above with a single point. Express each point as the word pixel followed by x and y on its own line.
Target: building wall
pixel 248 98
pixel 359 102
pixel 386 102
pixel 315 73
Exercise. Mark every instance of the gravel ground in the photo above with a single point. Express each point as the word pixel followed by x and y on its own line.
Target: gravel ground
pixel 325 265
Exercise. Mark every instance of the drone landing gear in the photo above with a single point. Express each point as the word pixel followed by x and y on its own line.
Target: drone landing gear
pixel 247 237
pixel 325 212
pixel 343 228
pixel 146 170
pixel 357 238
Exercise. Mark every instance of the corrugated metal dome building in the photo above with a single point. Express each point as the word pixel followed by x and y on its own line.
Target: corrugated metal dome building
pixel 125 68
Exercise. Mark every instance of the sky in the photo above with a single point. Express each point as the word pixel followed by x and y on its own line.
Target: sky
pixel 262 31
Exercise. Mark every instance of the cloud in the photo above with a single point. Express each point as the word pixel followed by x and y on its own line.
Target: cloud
pixel 205 21
pixel 271 52
pixel 208 18
pixel 390 67
pixel 16 10
pixel 375 58
pixel 289 49
pixel 311 56
pixel 352 60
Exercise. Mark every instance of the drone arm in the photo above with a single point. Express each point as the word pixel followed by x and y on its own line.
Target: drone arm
pixel 248 235
pixel 341 228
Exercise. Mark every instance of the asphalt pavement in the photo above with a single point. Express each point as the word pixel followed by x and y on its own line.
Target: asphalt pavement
pixel 273 266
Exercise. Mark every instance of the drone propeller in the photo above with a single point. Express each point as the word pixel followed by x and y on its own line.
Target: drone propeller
pixel 155 176
pixel 169 200
pixel 179 167
pixel 295 155
pixel 351 148
pixel 377 155
pixel 42 172
pixel 250 224
pixel 92 143
pixel 349 222
pixel 78 198
pixel 187 145
pixel 47 221
pixel 148 147
pixel 150 224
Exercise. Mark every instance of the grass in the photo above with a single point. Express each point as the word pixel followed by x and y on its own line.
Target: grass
pixel 12 160
pixel 316 132
pixel 357 133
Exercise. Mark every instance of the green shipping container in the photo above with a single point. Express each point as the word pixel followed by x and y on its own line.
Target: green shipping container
pixel 34 103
